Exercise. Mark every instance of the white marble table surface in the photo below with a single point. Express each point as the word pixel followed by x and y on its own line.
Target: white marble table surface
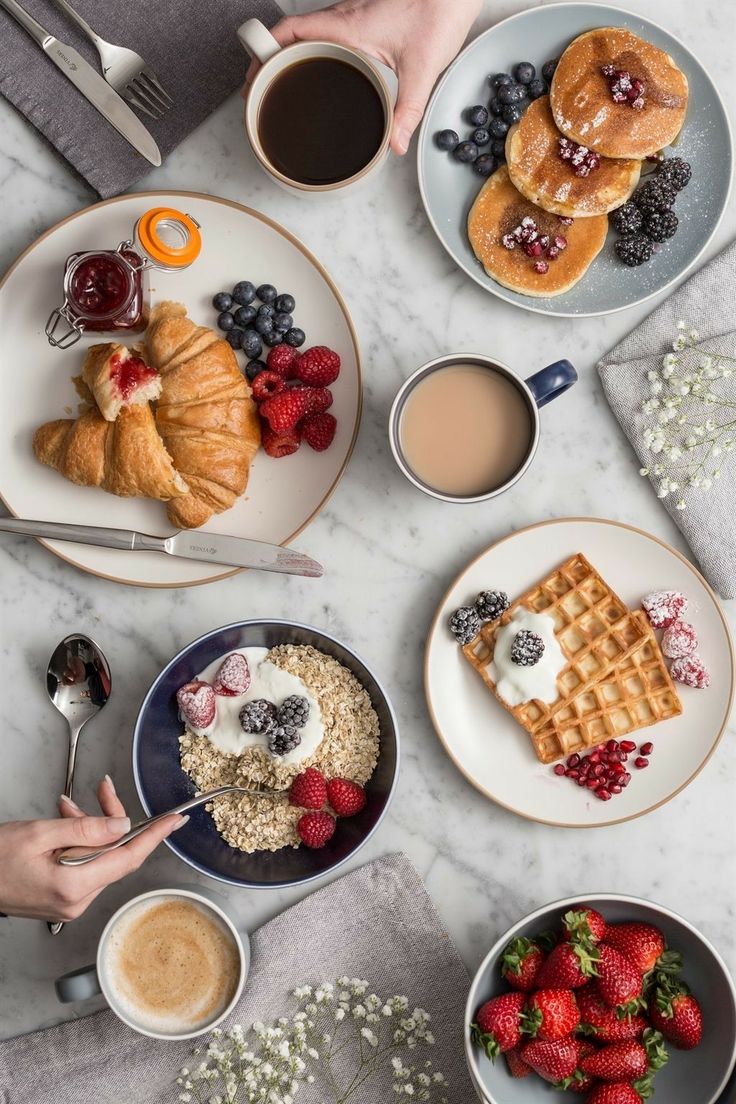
pixel 390 553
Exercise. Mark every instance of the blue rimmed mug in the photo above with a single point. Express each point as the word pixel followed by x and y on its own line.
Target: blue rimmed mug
pixel 536 390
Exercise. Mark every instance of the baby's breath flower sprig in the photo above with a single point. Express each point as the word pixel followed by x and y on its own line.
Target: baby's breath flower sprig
pixel 691 416
pixel 269 1065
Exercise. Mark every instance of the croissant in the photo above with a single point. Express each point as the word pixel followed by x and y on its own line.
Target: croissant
pixel 205 414
pixel 125 457
pixel 118 377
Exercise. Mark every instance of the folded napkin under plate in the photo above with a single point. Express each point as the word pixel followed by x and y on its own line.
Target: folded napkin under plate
pixel 191 47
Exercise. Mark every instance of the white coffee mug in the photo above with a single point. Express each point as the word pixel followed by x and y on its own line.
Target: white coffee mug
pixel 90 981
pixel 274 59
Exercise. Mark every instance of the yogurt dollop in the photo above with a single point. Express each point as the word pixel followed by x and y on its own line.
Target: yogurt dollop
pixel 517 684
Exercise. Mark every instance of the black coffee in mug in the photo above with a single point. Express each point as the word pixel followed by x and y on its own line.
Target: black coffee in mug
pixel 321 121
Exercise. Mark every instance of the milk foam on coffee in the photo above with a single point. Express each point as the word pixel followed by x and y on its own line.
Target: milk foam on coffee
pixel 170 965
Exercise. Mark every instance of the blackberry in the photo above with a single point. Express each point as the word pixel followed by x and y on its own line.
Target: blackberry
pixel 627 219
pixel 484 165
pixel 633 249
pixel 660 225
pixel 258 716
pixel 527 648
pixel 294 711
pixel 490 604
pixel 447 140
pixel 656 195
pixel 675 171
pixel 465 624
pixel 283 739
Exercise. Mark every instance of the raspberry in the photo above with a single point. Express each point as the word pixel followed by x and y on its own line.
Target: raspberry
pixel 196 701
pixel 284 410
pixel 282 360
pixel 308 790
pixel 279 444
pixel 316 829
pixel 663 607
pixel 680 639
pixel 691 671
pixel 318 431
pixel 318 367
pixel 233 677
pixel 320 398
pixel 266 385
pixel 346 798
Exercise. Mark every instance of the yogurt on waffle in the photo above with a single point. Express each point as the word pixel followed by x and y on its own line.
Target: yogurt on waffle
pixel 517 684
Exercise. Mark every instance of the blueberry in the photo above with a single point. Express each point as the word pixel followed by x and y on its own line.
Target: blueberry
pixel 266 311
pixel 263 325
pixel 495 106
pixel 233 338
pixel 499 128
pixel 548 69
pixel 266 293
pixel 222 301
pixel 511 93
pixel 466 152
pixel 525 72
pixel 253 367
pixel 478 115
pixel 282 322
pixel 295 337
pixel 272 338
pixel 481 137
pixel 285 302
pixel 244 293
pixel 485 165
pixel 251 344
pixel 245 315
pixel 500 79
pixel 535 89
pixel 498 149
pixel 447 139
pixel 512 113
pixel 225 321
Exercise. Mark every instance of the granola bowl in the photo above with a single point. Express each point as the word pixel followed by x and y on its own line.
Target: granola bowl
pixel 252 842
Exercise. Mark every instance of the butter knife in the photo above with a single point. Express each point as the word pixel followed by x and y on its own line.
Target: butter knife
pixel 191 544
pixel 89 82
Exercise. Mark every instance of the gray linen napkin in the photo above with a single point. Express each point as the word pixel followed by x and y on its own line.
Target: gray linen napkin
pixel 377 923
pixel 190 45
pixel 705 303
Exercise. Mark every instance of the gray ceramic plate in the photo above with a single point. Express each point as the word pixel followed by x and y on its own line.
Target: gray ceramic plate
pixel 449 188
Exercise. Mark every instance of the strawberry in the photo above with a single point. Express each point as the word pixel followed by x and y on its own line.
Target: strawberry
pixel 279 444
pixel 551 1014
pixel 284 410
pixel 497 1025
pixel 552 1059
pixel 676 1013
pixel 233 677
pixel 316 829
pixel 600 1020
pixel 582 924
pixel 320 398
pixel 282 359
pixel 197 705
pixel 521 962
pixel 578 1082
pixel 346 798
pixel 619 982
pixel 318 431
pixel 614 1092
pixel 318 366
pixel 309 789
pixel 642 944
pixel 617 1062
pixel 569 966
pixel 265 385
pixel 517 1065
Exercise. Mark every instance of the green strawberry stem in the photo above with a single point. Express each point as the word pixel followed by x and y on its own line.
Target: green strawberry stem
pixel 653 1043
pixel 514 955
pixel 531 1021
pixel 546 939
pixel 485 1041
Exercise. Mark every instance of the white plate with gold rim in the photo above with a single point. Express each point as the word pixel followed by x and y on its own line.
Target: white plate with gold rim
pixel 283 495
pixel 495 754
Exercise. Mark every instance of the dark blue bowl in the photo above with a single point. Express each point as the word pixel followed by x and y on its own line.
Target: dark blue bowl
pixel 161 783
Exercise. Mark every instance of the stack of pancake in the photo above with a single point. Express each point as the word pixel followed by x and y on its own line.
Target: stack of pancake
pixel 538 184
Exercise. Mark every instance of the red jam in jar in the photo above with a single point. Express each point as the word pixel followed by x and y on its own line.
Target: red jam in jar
pixel 105 290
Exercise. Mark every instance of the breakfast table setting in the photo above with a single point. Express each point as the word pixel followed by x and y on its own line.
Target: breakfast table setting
pixel 358 488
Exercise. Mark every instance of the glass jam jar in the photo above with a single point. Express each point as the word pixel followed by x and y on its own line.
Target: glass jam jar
pixel 104 288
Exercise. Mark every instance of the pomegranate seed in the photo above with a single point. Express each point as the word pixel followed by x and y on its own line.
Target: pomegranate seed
pixel 541 267
pixel 566 220
pixel 624 779
pixel 533 249
pixel 598 770
pixel 612 745
pixel 592 783
pixel 603 794
pixel 573 760
pixel 582 782
pixel 544 241
pixel 615 788
pixel 508 242
pixel 640 762
pixel 594 756
pixel 559 769
pixel 561 243
pixel 646 749
pixel 617 769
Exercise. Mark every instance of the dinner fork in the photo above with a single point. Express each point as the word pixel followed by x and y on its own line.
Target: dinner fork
pixel 125 70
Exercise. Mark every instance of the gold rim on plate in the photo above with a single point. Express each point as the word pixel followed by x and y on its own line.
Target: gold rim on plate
pixel 435 622
pixel 340 302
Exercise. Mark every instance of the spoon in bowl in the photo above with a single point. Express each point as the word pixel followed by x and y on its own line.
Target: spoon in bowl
pixel 78 682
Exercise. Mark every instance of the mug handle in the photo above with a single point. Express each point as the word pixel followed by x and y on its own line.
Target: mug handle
pixel 78 985
pixel 549 382
pixel 258 41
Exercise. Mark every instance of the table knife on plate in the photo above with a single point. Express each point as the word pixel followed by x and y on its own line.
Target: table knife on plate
pixel 89 82
pixel 191 544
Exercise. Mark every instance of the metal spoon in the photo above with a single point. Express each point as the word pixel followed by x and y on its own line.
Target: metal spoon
pixel 72 857
pixel 78 682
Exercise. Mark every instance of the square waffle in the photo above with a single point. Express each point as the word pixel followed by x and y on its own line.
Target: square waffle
pixel 593 627
pixel 637 692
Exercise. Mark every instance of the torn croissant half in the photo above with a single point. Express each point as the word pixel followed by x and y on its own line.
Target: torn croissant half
pixel 117 377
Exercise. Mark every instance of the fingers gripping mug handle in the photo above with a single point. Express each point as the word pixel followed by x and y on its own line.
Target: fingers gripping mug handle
pixel 549 382
pixel 78 985
pixel 259 42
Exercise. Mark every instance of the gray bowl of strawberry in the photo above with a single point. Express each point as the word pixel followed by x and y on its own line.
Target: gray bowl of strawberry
pixel 607 997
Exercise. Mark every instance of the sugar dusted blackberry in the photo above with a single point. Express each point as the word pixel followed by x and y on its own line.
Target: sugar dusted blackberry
pixel 490 604
pixel 660 225
pixel 527 648
pixel 634 249
pixel 627 219
pixel 675 171
pixel 465 624
pixel 258 717
pixel 294 711
pixel 282 739
pixel 657 194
